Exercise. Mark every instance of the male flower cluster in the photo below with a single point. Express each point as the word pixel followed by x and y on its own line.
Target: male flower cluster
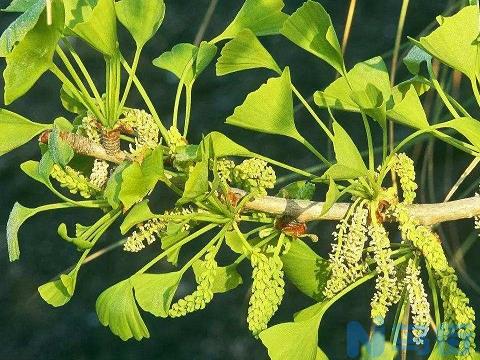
pixel 203 294
pixel 267 290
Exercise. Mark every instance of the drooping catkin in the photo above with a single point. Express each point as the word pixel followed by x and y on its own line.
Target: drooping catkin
pixel 387 289
pixel 267 290
pixel 346 258
pixel 203 294
pixel 74 181
pixel 419 305
pixel 254 175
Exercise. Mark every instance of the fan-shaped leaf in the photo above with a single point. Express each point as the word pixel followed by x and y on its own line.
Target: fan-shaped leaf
pixel 116 308
pixel 311 28
pixel 141 18
pixel 269 109
pixel 17 218
pixel 33 56
pixel 245 52
pixel 219 146
pixel 339 95
pixel 17 30
pixel 187 61
pixel 140 212
pixel 263 17
pixel 468 127
pixel 455 41
pixel 155 292
pixel 17 130
pixel 409 110
pixel 95 24
pixel 305 269
pixel 346 151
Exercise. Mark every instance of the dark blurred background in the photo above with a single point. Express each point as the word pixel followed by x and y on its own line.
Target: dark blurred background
pixel 31 329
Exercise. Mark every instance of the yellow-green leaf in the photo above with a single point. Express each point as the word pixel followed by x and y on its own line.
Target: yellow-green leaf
pixel 17 130
pixel 33 56
pixel 311 28
pixel 408 110
pixel 269 109
pixel 116 308
pixel 455 41
pixel 245 52
pixel 155 292
pixel 142 18
pixel 263 17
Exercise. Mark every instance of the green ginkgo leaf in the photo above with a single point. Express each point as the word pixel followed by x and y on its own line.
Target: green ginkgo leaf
pixel 414 59
pixel 371 73
pixel 306 269
pixel 138 214
pixel 263 17
pixel 17 218
pixel 17 130
pixel 155 292
pixel 269 109
pixel 116 308
pixel 33 56
pixel 346 152
pixel 297 340
pixel 245 52
pixel 197 183
pixel 311 28
pixel 187 61
pixel 468 127
pixel 141 18
pixel 219 145
pixel 226 277
pixel 455 41
pixel 18 29
pixel 95 24
pixel 408 110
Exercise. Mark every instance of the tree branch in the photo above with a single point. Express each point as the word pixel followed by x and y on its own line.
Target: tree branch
pixel 306 211
pixel 303 211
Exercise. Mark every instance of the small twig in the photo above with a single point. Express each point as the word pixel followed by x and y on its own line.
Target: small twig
pixel 205 22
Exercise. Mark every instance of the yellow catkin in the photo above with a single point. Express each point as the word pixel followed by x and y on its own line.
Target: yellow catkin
pixel 267 290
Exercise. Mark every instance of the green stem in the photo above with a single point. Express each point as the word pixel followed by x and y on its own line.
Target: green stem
pixel 315 152
pixel 128 86
pixel 148 101
pixel 433 287
pixel 85 73
pixel 440 91
pixel 368 131
pixel 176 106
pixel 312 112
pixel 284 166
pixel 86 100
pixel 175 247
pixel 188 109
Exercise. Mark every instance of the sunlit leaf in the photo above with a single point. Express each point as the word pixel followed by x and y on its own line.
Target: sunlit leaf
pixel 96 24
pixel 269 109
pixel 455 41
pixel 17 218
pixel 226 277
pixel 139 213
pixel 234 241
pixel 155 292
pixel 346 152
pixel 409 110
pixel 71 102
pixel 116 308
pixel 141 18
pixel 17 130
pixel 262 17
pixel 197 183
pixel 311 28
pixel 17 30
pixel 306 270
pixel 219 146
pixel 62 153
pixel 139 179
pixel 296 340
pixel 187 61
pixel 245 52
pixel 332 196
pixel 33 56
pixel 468 127
pixel 338 95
